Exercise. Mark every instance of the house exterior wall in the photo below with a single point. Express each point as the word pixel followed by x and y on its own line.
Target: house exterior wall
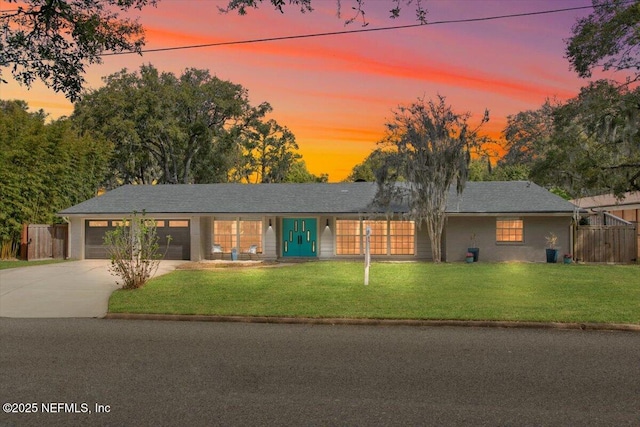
pixel 206 234
pixel 423 244
pixel 269 239
pixel 460 228
pixel 195 241
pixel 456 237
pixel 326 237
pixel 76 238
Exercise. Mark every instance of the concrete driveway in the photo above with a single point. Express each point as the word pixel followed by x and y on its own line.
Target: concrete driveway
pixel 69 289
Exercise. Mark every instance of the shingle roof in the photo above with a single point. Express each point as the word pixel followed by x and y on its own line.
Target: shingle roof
pixel 506 197
pixel 232 198
pixel 478 197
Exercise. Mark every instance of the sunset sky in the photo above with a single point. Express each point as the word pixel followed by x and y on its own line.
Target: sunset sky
pixel 336 92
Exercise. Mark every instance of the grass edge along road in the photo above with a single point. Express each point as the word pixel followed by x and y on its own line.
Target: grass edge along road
pixel 456 291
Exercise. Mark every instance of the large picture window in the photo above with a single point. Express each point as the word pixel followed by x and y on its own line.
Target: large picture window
pixel 387 237
pixel 402 236
pixel 225 234
pixel 239 234
pixel 509 230
pixel 250 235
pixel 378 236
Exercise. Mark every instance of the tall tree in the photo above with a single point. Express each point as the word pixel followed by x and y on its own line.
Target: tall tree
pixel 54 41
pixel 588 145
pixel 431 148
pixel 527 134
pixel 268 153
pixel 595 145
pixel 44 167
pixel 168 129
pixel 607 38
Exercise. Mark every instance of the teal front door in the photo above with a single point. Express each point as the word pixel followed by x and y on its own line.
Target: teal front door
pixel 299 237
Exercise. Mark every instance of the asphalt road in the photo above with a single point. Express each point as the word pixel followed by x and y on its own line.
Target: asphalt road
pixel 191 373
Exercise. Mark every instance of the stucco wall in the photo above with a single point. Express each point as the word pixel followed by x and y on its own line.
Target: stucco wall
pixel 269 242
pixel 326 237
pixel 459 230
pixel 76 238
pixel 200 235
pixel 423 245
pixel 206 235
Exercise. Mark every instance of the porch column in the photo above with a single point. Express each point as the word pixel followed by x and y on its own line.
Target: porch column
pixel 196 244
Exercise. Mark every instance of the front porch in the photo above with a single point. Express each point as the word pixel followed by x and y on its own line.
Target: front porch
pixel 308 236
pixel 266 238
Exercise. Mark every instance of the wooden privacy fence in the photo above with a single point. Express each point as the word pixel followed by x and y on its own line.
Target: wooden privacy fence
pixel 606 243
pixel 42 241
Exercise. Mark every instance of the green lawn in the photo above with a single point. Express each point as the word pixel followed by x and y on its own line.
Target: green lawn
pixel 482 291
pixel 17 263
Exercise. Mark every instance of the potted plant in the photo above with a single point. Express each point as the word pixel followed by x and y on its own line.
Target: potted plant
pixel 567 258
pixel 469 257
pixel 474 249
pixel 552 251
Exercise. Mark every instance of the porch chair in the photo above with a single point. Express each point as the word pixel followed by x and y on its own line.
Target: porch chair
pixel 253 250
pixel 216 251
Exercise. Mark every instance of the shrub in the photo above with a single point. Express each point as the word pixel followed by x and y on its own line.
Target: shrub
pixel 9 248
pixel 134 250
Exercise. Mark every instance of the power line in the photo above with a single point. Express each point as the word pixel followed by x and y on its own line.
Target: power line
pixel 360 30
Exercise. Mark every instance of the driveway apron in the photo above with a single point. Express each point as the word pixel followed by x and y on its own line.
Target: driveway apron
pixel 69 289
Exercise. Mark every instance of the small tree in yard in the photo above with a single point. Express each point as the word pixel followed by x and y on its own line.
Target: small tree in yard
pixel 429 149
pixel 134 250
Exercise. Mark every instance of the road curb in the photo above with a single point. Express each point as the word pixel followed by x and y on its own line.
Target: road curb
pixel 376 322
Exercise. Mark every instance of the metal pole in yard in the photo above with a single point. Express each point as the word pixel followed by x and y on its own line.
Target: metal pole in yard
pixel 367 256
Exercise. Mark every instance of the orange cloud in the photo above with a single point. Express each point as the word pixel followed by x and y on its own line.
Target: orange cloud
pixel 353 135
pixel 161 37
pixel 326 59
